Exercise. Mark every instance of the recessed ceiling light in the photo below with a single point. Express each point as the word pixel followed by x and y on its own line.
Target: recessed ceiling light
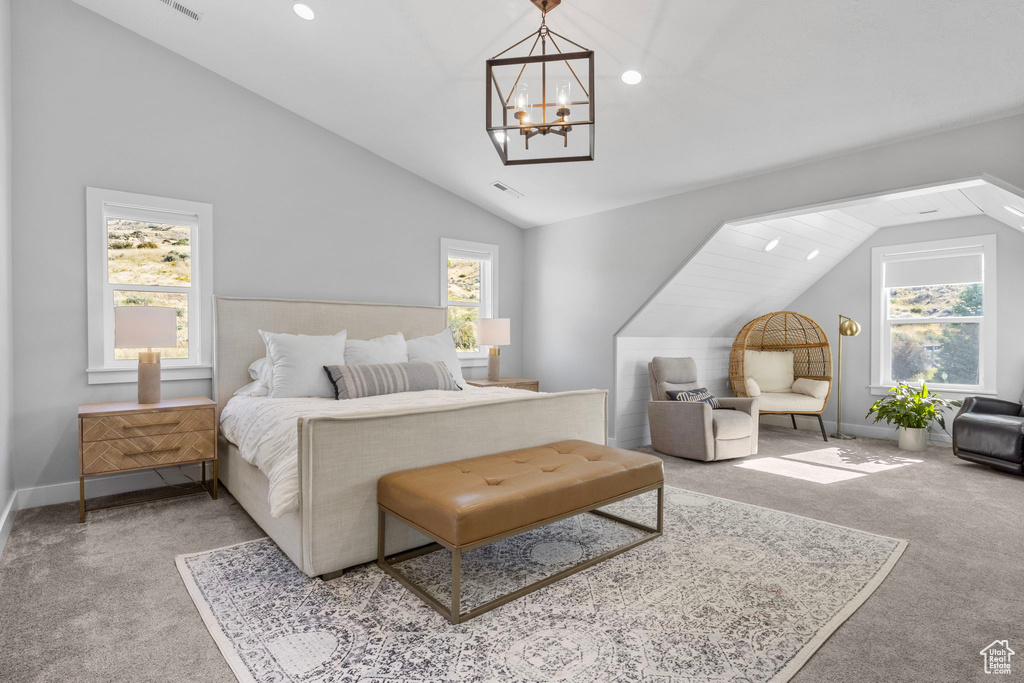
pixel 632 77
pixel 812 254
pixel 1014 211
pixel 304 11
pixel 771 245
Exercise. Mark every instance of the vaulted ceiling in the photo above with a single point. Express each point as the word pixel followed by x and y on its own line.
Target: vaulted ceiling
pixel 732 278
pixel 732 87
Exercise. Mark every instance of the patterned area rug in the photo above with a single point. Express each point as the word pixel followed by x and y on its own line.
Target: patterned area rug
pixel 732 593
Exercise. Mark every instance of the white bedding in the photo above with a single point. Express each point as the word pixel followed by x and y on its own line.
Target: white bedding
pixel 265 429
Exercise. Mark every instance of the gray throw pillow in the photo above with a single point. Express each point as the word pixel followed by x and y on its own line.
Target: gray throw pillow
pixel 701 395
pixel 359 381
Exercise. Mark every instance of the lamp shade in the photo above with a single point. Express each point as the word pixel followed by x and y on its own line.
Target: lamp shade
pixel 145 327
pixel 494 332
pixel 849 328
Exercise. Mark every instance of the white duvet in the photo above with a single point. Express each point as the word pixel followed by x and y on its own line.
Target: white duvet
pixel 265 429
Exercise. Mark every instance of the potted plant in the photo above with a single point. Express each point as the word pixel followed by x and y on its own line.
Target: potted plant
pixel 912 410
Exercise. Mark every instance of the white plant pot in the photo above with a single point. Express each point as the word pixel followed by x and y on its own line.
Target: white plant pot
pixel 913 438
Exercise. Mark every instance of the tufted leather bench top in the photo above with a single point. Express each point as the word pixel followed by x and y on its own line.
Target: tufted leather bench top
pixel 469 500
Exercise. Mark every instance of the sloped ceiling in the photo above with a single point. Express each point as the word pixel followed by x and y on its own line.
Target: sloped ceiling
pixel 731 279
pixel 732 88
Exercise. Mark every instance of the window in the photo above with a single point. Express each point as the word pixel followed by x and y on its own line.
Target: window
pixel 935 303
pixel 148 251
pixel 469 288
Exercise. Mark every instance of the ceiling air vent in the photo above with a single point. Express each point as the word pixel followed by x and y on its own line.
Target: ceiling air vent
pixel 506 189
pixel 924 213
pixel 187 11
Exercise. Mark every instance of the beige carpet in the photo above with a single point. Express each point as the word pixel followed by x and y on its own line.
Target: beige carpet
pixel 104 601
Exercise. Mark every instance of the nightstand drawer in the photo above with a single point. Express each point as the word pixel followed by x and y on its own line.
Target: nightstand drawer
pixel 146 424
pixel 114 455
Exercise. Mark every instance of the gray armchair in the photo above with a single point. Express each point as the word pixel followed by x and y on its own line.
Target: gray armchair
pixel 694 430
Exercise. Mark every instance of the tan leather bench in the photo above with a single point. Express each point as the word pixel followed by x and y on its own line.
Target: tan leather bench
pixel 470 503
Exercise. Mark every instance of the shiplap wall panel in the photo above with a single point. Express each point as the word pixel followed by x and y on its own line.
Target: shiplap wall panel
pixel 633 384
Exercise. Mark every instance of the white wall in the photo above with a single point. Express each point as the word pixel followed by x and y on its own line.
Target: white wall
pixel 585 277
pixel 847 289
pixel 6 291
pixel 633 386
pixel 298 211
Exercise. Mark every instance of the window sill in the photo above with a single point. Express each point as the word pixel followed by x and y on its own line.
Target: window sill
pixel 881 390
pixel 473 362
pixel 131 375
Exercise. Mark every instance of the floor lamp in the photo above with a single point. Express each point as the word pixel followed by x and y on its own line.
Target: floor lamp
pixel 848 327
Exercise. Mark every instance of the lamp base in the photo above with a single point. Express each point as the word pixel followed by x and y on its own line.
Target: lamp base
pixel 494 365
pixel 842 437
pixel 149 377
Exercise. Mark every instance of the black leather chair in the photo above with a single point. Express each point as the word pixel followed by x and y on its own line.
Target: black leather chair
pixel 991 432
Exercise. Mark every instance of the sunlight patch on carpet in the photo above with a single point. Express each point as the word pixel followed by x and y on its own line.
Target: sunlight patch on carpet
pixel 799 470
pixel 850 459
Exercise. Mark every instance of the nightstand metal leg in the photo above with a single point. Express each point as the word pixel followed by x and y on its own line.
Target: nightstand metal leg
pixel 204 474
pixel 215 473
pixel 81 500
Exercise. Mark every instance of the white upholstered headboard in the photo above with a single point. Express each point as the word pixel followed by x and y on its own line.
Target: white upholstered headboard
pixel 238 321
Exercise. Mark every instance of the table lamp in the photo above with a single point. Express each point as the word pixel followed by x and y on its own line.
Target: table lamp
pixel 494 332
pixel 146 327
pixel 848 327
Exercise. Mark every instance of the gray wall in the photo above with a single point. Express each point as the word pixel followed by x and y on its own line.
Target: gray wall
pixel 298 211
pixel 584 277
pixel 846 289
pixel 6 292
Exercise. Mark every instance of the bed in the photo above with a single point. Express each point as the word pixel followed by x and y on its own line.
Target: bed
pixel 340 457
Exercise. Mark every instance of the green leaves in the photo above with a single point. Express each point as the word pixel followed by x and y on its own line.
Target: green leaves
pixel 907 406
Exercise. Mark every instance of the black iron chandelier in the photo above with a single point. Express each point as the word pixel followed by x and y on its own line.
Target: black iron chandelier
pixel 533 95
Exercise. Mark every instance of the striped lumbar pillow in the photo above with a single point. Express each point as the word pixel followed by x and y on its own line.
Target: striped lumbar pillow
pixel 359 381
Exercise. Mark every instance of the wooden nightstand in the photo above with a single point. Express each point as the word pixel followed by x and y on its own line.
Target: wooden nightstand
pixel 510 382
pixel 129 436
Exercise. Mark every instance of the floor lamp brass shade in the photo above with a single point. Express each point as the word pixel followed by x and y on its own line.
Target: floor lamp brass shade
pixel 146 327
pixel 848 327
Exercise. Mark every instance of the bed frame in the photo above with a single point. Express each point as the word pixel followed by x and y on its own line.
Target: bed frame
pixel 341 458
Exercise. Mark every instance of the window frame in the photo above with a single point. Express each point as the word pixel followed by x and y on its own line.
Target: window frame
pixel 103 204
pixel 881 343
pixel 488 255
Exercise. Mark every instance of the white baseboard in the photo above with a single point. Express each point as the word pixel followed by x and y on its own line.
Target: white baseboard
pixel 109 485
pixel 810 423
pixel 7 519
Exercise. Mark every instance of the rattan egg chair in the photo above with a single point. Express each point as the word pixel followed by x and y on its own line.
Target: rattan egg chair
pixel 812 359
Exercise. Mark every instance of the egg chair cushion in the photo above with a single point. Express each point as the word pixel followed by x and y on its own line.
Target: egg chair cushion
pixel 811 387
pixel 772 370
pixel 788 402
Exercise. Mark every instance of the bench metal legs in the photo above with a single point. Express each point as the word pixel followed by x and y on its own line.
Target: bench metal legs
pixel 453 612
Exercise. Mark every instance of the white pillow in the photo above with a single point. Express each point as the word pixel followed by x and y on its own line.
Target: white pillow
pixel 772 370
pixel 440 347
pixel 253 389
pixel 390 348
pixel 817 388
pixel 298 362
pixel 262 371
pixel 753 389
